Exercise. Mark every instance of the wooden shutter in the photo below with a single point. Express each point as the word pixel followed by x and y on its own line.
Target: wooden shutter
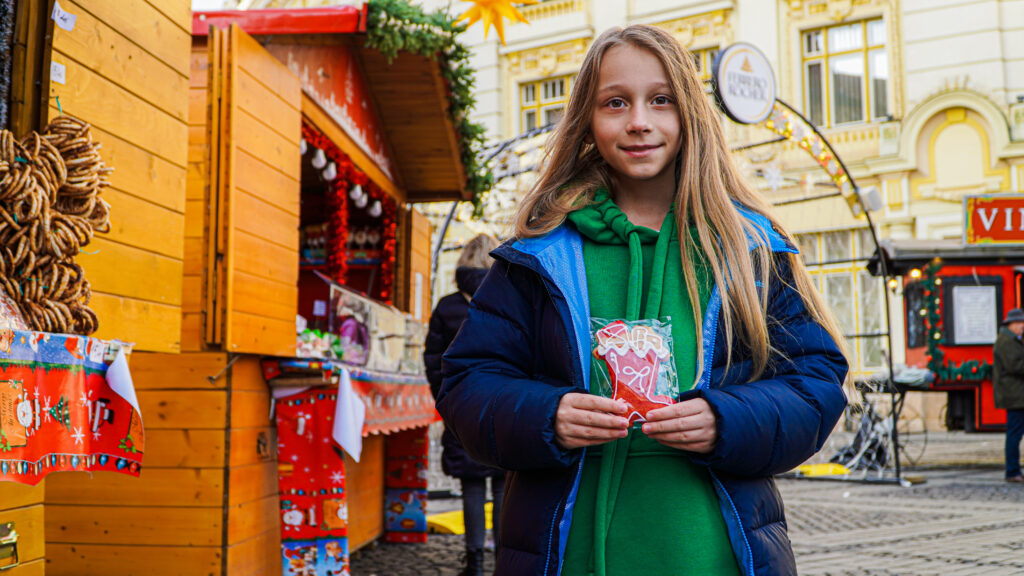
pixel 417 279
pixel 252 245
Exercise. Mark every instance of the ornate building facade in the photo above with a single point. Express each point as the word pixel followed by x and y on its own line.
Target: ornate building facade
pixel 922 99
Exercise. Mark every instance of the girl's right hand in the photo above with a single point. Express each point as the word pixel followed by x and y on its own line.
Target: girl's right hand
pixel 587 420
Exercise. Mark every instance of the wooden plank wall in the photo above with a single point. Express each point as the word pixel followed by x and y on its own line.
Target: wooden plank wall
pixel 28 53
pixel 170 520
pixel 23 505
pixel 127 71
pixel 364 484
pixel 253 545
pixel 419 263
pixel 206 501
pixel 196 200
pixel 262 194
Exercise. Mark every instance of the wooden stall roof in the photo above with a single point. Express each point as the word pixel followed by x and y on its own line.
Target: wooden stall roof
pixel 410 93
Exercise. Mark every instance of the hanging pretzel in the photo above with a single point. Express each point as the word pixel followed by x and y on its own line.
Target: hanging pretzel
pixel 50 207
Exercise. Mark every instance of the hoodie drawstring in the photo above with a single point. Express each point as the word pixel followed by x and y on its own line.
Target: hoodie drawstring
pixel 614 454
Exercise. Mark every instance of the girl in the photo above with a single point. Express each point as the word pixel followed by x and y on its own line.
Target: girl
pixel 638 213
pixel 445 322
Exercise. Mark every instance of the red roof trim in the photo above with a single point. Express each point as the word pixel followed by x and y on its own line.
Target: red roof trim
pixel 331 20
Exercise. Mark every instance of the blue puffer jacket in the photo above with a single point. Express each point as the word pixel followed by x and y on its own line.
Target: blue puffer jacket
pixel 526 343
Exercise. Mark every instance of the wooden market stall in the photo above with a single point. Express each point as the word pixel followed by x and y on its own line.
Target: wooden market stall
pixel 308 82
pixel 203 116
pixel 954 298
pixel 123 68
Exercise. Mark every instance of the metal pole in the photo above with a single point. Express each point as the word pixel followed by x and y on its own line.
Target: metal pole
pixel 498 149
pixel 885 275
pixel 437 246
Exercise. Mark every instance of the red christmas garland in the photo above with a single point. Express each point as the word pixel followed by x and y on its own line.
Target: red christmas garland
pixel 338 225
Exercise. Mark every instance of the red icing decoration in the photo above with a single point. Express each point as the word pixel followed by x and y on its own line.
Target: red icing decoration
pixel 633 356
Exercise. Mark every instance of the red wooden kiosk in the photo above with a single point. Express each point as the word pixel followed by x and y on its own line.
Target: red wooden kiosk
pixel 955 294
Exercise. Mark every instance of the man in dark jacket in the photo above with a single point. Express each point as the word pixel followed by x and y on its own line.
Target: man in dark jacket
pixel 1008 378
pixel 445 322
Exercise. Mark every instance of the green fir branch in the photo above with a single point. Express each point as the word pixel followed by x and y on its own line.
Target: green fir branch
pixel 396 25
pixel 945 371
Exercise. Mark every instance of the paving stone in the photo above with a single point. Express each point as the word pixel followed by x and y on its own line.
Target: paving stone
pixel 964 521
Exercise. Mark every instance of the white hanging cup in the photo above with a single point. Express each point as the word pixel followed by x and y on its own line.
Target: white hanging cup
pixel 319 159
pixel 331 172
pixel 375 209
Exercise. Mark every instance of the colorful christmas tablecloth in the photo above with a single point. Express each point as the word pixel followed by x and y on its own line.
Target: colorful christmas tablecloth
pixel 311 479
pixel 394 401
pixel 66 403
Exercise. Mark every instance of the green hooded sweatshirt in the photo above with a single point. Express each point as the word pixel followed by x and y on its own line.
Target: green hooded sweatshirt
pixel 643 507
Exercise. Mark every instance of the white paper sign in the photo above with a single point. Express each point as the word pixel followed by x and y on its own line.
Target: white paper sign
pixel 974 315
pixel 320 308
pixel 57 72
pixel 63 19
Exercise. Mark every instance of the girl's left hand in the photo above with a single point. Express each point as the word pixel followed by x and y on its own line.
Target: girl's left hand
pixel 688 425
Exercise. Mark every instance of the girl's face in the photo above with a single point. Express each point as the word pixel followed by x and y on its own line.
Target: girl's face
pixel 635 123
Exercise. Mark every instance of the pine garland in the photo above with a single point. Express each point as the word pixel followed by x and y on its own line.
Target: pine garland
pixel 945 371
pixel 396 25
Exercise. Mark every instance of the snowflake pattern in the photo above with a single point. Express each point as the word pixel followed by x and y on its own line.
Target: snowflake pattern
pixel 337 477
pixel 78 436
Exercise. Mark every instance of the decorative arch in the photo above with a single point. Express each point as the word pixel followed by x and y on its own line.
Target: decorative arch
pixel 969 169
pixel 998 134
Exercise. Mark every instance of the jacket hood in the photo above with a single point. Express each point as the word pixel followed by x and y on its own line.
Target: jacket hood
pixel 468 279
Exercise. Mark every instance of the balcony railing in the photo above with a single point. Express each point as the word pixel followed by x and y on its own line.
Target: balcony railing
pixel 553 8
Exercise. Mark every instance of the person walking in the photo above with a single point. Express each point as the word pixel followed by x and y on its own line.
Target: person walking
pixel 639 219
pixel 1008 380
pixel 445 322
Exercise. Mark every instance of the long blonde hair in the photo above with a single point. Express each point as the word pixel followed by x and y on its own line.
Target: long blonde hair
pixel 476 252
pixel 709 188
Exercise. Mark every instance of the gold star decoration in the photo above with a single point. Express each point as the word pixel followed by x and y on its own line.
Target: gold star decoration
pixel 493 12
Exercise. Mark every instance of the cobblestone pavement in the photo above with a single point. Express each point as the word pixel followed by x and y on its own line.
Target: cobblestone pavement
pixel 964 520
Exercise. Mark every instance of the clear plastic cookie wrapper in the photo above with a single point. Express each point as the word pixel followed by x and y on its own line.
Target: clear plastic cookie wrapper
pixel 634 363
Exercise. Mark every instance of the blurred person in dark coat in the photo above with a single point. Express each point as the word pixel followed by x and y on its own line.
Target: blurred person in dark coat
pixel 451 311
pixel 1008 378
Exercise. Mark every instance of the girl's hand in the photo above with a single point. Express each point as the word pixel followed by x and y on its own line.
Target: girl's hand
pixel 688 425
pixel 587 420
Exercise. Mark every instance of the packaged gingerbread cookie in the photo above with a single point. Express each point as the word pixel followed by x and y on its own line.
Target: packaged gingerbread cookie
pixel 634 364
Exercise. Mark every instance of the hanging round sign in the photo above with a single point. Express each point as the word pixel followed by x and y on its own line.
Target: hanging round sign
pixel 744 83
